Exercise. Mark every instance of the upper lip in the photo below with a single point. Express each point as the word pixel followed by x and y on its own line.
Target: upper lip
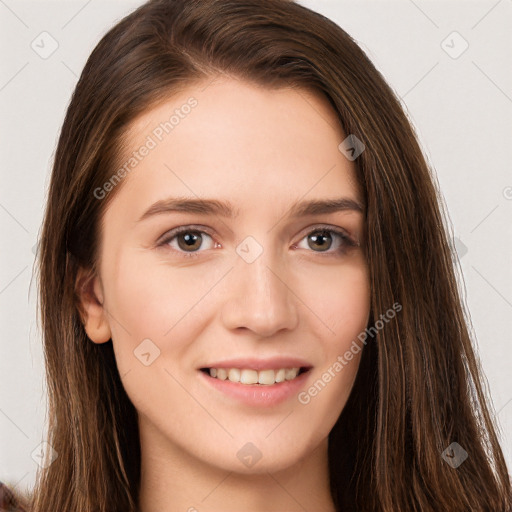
pixel 272 363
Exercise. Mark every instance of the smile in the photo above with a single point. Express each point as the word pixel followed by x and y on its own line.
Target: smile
pixel 261 389
pixel 249 376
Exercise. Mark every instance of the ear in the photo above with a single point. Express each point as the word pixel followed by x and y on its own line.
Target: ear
pixel 89 292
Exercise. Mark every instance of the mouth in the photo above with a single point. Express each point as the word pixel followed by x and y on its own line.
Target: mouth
pixel 261 388
pixel 256 378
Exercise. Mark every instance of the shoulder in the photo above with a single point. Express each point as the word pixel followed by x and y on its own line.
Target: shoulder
pixel 9 501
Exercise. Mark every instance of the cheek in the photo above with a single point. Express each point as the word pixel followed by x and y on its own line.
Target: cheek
pixel 155 318
pixel 151 296
pixel 145 301
pixel 149 299
pixel 340 299
pixel 343 305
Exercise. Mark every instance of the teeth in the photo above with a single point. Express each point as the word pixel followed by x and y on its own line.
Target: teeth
pixel 290 373
pixel 266 377
pixel 234 375
pixel 247 376
pixel 280 375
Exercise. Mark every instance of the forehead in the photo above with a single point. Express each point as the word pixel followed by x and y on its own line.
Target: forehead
pixel 239 141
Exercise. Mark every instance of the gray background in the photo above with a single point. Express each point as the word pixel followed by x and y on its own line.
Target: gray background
pixel 461 106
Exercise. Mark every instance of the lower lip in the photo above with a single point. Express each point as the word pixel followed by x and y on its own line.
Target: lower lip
pixel 259 395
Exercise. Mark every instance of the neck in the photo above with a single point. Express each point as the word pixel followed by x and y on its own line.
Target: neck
pixel 175 481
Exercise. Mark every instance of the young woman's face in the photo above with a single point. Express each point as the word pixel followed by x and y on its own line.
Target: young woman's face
pixel 251 283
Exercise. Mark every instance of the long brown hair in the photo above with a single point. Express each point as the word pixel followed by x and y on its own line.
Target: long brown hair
pixel 419 387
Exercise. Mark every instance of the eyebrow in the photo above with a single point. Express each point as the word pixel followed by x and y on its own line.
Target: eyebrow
pixel 225 208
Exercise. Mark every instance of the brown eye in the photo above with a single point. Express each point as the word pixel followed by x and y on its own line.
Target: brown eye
pixel 189 240
pixel 320 240
pixel 329 241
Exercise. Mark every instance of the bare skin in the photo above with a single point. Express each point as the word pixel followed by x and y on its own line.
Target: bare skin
pixel 262 150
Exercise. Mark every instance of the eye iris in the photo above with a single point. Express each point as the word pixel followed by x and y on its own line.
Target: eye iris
pixel 189 239
pixel 317 238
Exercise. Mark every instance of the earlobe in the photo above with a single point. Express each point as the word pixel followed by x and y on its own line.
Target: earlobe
pixel 90 305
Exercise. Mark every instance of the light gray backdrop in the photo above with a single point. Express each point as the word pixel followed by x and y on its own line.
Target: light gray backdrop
pixel 450 62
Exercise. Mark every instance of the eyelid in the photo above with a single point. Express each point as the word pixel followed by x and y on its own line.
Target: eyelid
pixel 328 227
pixel 347 240
pixel 171 233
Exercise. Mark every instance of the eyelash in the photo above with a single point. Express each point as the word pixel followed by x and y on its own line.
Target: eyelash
pixel 346 241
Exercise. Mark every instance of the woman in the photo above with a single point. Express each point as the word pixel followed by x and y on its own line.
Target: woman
pixel 202 351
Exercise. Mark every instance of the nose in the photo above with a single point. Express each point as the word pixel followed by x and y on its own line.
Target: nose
pixel 260 297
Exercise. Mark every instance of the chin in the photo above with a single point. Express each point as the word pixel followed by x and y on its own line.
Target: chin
pixel 252 458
